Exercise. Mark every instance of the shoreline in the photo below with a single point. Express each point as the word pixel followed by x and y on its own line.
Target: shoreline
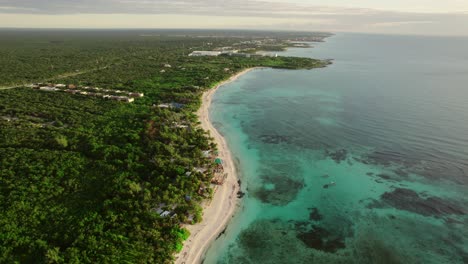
pixel 218 212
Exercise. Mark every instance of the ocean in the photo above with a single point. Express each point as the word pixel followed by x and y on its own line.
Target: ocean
pixel 365 161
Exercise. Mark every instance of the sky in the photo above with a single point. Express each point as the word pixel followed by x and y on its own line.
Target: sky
pixel 424 17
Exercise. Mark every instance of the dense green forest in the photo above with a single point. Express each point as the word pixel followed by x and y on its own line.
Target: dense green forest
pixel 84 180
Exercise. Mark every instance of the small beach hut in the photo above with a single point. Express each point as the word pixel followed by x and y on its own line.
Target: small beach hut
pixel 218 161
pixel 206 153
pixel 165 213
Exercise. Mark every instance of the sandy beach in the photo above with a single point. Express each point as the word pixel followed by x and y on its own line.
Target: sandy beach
pixel 217 212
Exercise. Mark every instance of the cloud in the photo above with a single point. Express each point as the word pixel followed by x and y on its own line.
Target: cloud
pixel 195 7
pixel 235 13
pixel 14 9
pixel 400 23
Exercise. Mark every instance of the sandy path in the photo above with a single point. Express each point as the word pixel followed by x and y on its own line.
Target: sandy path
pixel 218 212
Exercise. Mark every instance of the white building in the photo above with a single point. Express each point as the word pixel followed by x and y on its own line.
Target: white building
pixel 205 53
pixel 136 95
pixel 122 99
pixel 229 52
pixel 48 89
pixel 164 106
pixel 165 213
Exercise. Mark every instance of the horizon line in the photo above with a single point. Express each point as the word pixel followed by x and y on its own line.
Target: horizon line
pixel 334 32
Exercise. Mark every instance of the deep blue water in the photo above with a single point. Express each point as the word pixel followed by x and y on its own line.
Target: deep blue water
pixel 365 161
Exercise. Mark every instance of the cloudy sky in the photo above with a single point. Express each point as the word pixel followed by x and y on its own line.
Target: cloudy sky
pixel 428 17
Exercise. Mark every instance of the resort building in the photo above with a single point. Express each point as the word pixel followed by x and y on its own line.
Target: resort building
pixel 229 52
pixel 165 214
pixel 205 53
pixel 206 153
pixel 171 105
pixel 89 91
pixel 136 95
pixel 164 106
pixel 122 99
pixel 48 89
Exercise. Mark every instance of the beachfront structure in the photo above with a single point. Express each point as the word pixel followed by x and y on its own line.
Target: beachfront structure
pixel 122 99
pixel 171 105
pixel 164 106
pixel 274 55
pixel 200 169
pixel 229 52
pixel 136 95
pixel 206 153
pixel 205 53
pixel 165 214
pixel 48 89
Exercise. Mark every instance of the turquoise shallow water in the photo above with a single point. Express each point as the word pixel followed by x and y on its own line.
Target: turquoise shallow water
pixel 365 161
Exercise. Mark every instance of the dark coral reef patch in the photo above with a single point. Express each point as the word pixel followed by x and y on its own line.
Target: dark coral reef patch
pixel 409 200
